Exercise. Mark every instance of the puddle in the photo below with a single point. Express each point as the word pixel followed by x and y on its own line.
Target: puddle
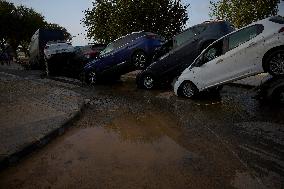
pixel 118 147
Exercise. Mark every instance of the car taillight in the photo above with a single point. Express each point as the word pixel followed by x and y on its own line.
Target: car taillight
pixel 281 30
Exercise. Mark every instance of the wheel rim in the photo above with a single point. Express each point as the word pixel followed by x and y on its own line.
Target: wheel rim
pixel 188 90
pixel 92 78
pixel 148 82
pixel 277 64
pixel 139 60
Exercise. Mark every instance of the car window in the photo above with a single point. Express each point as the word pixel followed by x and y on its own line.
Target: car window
pixel 183 37
pixel 199 29
pixel 108 49
pixel 213 51
pixel 120 42
pixel 244 35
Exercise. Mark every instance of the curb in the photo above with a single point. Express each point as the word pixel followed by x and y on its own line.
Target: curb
pixel 17 156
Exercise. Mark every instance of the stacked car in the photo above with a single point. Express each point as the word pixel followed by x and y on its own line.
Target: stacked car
pixel 256 48
pixel 186 47
pixel 201 58
pixel 128 53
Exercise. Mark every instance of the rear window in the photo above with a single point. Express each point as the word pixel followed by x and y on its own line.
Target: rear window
pixel 199 29
pixel 277 19
pixel 244 35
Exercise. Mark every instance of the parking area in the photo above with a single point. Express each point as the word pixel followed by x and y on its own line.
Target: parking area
pixel 132 138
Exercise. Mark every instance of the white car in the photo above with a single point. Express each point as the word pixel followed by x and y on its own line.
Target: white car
pixel 256 48
pixel 53 48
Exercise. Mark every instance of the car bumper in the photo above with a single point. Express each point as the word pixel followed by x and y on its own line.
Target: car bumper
pixel 177 84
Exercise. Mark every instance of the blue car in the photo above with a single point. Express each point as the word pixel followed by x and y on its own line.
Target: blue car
pixel 126 54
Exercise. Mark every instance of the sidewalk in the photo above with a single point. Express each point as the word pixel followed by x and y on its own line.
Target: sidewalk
pixel 31 112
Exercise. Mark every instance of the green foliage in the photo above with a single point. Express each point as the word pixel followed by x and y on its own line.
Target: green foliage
pixel 18 24
pixel 7 16
pixel 243 12
pixel 110 19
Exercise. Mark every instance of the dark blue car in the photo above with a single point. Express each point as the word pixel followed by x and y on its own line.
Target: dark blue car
pixel 128 53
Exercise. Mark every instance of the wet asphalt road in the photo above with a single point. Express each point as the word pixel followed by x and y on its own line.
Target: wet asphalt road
pixel 130 138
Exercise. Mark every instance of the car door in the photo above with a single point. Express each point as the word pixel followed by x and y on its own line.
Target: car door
pixel 122 50
pixel 182 50
pixel 208 70
pixel 242 51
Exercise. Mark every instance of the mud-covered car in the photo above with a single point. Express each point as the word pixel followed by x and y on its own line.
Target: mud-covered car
pixel 256 48
pixel 186 46
pixel 128 53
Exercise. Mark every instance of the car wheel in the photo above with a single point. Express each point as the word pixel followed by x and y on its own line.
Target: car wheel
pixel 278 96
pixel 275 63
pixel 188 89
pixel 139 59
pixel 91 78
pixel 145 81
pixel 148 82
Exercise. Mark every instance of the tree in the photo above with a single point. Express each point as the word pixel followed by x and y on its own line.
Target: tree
pixel 18 24
pixel 243 12
pixel 110 19
pixel 7 16
pixel 26 24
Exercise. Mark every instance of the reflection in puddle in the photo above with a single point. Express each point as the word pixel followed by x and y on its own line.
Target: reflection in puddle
pixel 144 128
pixel 132 149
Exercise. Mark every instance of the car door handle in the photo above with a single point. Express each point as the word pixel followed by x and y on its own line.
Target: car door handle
pixel 219 61
pixel 251 44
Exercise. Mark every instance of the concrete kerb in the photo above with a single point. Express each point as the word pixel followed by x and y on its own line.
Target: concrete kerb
pixel 29 148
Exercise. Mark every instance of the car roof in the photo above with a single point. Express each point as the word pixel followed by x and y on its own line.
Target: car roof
pixel 263 21
pixel 205 23
pixel 127 35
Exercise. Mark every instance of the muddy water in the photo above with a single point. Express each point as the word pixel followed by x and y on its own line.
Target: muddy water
pixel 114 146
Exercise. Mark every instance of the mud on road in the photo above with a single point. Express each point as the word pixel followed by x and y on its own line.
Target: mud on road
pixel 130 138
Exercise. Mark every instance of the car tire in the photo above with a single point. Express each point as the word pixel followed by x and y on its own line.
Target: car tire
pixel 115 78
pixel 90 78
pixel 277 96
pixel 139 60
pixel 187 89
pixel 274 63
pixel 146 81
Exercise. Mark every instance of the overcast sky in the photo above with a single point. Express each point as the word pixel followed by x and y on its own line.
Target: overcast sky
pixel 68 13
